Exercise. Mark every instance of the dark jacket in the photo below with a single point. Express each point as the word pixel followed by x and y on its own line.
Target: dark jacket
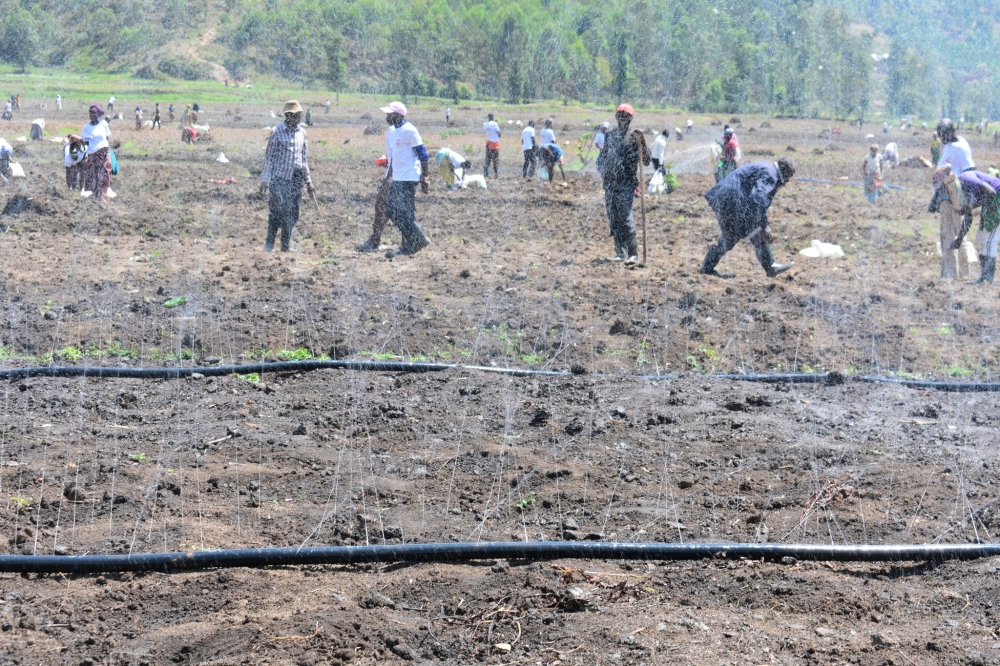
pixel 620 159
pixel 742 198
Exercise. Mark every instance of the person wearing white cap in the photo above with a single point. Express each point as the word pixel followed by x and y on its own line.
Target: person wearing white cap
pixel 408 159
pixel 286 168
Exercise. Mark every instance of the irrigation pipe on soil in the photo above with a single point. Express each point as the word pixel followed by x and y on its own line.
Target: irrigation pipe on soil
pixel 462 552
pixel 108 372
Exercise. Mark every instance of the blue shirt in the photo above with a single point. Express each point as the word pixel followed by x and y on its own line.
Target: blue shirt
pixel 555 151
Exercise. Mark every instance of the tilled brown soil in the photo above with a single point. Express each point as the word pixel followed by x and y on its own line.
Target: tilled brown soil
pixel 516 276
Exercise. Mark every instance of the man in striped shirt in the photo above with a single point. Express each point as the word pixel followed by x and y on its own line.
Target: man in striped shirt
pixel 285 170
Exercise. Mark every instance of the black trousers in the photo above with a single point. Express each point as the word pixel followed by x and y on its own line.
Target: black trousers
pixel 283 209
pixel 492 157
pixel 618 200
pixel 530 162
pixel 402 205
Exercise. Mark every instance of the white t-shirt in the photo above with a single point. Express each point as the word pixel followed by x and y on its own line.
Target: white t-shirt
pixel 891 153
pixel 112 100
pixel 548 136
pixel 873 163
pixel 659 146
pixel 690 122
pixel 528 138
pixel 68 159
pixel 39 121
pixel 399 144
pixel 599 139
pixel 492 129
pixel 455 159
pixel 958 154
pixel 96 136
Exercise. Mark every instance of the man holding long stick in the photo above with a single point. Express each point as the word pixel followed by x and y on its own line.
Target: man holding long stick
pixel 622 151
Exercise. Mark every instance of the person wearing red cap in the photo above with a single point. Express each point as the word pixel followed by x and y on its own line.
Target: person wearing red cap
pixel 408 159
pixel 622 151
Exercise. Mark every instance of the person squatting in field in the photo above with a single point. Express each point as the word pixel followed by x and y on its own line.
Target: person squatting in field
pixel 957 154
pixel 286 169
pixel 97 167
pixel 977 189
pixel 552 157
pixel 740 203
pixel 622 151
pixel 408 159
pixel 74 153
pixel 449 161
pixel 492 130
pixel 5 152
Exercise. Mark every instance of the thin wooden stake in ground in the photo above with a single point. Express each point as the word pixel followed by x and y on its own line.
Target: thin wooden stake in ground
pixel 642 206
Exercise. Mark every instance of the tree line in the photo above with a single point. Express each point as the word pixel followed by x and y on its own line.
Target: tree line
pixel 781 57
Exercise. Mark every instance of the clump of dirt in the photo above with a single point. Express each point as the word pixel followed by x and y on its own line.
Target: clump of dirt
pixel 20 203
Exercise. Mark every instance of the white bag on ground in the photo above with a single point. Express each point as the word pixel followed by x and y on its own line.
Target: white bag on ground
pixel 656 183
pixel 16 170
pixel 971 253
pixel 222 158
pixel 821 250
pixel 474 179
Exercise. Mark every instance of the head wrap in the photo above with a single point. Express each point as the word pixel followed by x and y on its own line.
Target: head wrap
pixel 97 108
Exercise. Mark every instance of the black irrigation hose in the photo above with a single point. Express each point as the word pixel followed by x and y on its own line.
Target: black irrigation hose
pixel 461 552
pixel 109 372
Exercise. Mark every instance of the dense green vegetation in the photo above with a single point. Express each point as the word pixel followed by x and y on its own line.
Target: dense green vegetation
pixel 786 57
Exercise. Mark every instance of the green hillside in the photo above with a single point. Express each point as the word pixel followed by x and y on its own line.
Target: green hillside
pixel 783 57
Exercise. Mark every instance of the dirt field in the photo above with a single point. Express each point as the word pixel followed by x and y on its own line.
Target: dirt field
pixel 516 276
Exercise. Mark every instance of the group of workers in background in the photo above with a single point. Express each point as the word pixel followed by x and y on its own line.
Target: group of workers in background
pixel 740 198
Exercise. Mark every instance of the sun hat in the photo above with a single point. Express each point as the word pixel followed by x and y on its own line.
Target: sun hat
pixel 291 106
pixel 394 107
pixel 627 108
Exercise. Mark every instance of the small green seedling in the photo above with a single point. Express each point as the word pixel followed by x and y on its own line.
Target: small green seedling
pixel 525 502
pixel 174 302
pixel 20 502
pixel 139 457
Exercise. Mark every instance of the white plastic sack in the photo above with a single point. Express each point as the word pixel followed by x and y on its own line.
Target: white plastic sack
pixel 821 250
pixel 971 254
pixel 656 183
pixel 16 170
pixel 474 179
pixel 222 158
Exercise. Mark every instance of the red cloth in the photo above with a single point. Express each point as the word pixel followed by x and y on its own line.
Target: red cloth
pixel 493 145
pixel 729 149
pixel 97 173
